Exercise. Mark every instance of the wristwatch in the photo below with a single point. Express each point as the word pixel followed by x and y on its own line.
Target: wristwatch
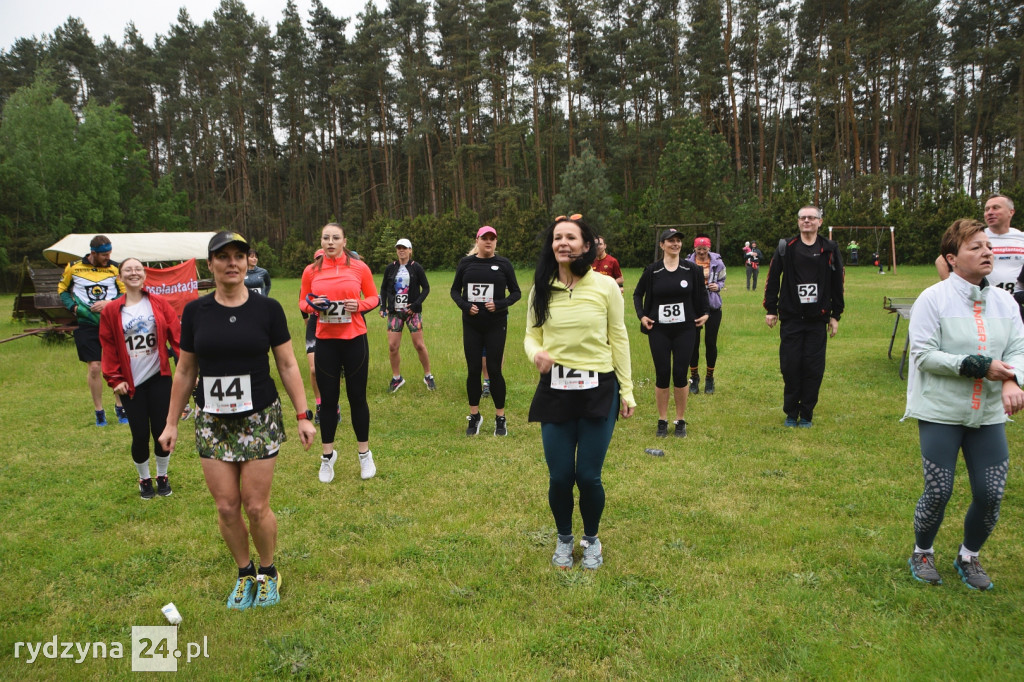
pixel 308 414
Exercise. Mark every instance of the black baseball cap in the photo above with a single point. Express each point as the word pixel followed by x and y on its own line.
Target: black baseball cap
pixel 222 239
pixel 668 234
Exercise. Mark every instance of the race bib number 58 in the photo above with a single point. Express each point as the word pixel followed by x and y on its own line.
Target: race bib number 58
pixel 671 313
pixel 227 395
pixel 568 379
pixel 807 293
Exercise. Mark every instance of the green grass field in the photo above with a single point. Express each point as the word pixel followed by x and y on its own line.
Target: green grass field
pixel 748 551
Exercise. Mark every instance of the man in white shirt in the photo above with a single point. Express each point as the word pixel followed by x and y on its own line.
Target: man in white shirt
pixel 1007 245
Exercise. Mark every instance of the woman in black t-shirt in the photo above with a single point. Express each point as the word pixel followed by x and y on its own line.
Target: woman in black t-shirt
pixel 225 338
pixel 671 301
pixel 479 289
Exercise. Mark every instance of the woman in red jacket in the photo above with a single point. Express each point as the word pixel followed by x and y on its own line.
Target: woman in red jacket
pixel 339 288
pixel 138 333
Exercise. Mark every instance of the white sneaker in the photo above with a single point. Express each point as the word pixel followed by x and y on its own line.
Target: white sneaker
pixel 367 469
pixel 327 467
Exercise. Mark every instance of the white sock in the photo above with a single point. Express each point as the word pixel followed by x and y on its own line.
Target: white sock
pixel 396 377
pixel 966 554
pixel 161 465
pixel 918 550
pixel 143 469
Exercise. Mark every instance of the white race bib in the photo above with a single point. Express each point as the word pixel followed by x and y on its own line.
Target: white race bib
pixel 671 313
pixel 335 313
pixel 480 293
pixel 568 379
pixel 401 301
pixel 140 345
pixel 808 293
pixel 227 395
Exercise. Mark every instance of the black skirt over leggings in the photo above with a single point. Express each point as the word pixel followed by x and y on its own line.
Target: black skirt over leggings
pixel 671 347
pixel 147 415
pixel 474 339
pixel 354 356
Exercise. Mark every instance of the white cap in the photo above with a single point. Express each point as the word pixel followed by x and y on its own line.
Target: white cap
pixel 404 242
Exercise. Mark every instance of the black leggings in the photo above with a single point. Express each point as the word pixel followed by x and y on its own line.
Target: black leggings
pixel 354 356
pixel 474 340
pixel 147 415
pixel 671 347
pixel 986 455
pixel 710 340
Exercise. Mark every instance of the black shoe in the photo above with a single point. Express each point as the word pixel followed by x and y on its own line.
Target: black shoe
pixel 709 385
pixel 146 491
pixel 163 486
pixel 500 427
pixel 474 424
pixel 694 385
pixel 662 428
pixel 681 428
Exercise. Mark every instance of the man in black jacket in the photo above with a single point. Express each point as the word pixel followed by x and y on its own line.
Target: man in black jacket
pixel 804 289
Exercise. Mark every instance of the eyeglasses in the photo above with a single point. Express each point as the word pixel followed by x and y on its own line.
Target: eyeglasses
pixel 574 217
pixel 809 217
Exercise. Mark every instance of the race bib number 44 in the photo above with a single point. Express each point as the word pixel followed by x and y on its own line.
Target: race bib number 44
pixel 227 395
pixel 807 293
pixel 671 313
pixel 568 379
pixel 480 293
pixel 336 314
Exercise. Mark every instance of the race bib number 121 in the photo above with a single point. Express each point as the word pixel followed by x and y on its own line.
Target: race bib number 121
pixel 568 379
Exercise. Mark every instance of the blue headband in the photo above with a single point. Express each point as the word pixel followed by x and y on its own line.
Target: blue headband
pixel 102 248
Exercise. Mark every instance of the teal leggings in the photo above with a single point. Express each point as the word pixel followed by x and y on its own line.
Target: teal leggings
pixel 575 452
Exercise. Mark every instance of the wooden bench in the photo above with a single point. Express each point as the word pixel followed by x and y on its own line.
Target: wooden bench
pixel 37 298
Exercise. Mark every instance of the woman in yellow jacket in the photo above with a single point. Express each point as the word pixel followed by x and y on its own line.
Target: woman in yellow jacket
pixel 576 337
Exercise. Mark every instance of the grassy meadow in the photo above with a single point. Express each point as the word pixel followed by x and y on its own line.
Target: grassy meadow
pixel 749 551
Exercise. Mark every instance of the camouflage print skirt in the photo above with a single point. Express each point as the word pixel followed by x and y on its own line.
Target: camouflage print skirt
pixel 240 439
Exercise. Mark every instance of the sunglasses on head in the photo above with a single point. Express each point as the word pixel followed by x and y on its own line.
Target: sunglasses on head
pixel 573 217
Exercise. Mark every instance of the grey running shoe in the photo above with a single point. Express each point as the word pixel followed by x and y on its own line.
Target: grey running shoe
pixel 592 556
pixel 395 384
pixel 662 431
pixel 922 567
pixel 694 385
pixel 499 427
pixel 487 389
pixel 680 428
pixel 972 573
pixel 709 385
pixel 563 552
pixel 429 381
pixel 474 424
pixel 146 491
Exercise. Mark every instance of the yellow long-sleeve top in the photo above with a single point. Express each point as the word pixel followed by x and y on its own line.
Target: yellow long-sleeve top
pixel 585 330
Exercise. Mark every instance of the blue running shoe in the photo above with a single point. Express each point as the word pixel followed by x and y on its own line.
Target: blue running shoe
pixel 122 415
pixel 805 423
pixel 267 590
pixel 101 417
pixel 791 422
pixel 244 593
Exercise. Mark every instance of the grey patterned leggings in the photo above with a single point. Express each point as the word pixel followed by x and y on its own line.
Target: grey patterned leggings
pixel 986 456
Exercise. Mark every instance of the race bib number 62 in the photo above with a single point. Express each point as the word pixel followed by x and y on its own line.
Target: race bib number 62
pixel 227 395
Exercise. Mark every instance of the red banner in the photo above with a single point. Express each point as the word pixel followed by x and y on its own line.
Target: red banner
pixel 178 284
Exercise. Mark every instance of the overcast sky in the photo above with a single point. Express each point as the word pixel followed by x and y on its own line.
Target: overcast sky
pixel 151 17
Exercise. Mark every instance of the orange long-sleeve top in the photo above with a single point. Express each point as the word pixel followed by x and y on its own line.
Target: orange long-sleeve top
pixel 338 282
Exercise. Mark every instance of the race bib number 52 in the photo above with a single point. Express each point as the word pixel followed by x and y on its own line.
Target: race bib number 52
pixel 807 293
pixel 568 379
pixel 227 395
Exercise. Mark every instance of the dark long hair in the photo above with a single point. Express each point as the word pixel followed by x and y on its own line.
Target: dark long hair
pixel 319 260
pixel 547 266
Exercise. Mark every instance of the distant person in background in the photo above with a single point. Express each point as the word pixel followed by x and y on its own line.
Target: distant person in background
pixel 403 291
pixel 606 264
pixel 714 281
pixel 1007 245
pixel 257 279
pixel 966 349
pixel 752 261
pixel 484 288
pixel 139 333
pixel 746 248
pixel 86 288
pixel 804 290
pixel 854 250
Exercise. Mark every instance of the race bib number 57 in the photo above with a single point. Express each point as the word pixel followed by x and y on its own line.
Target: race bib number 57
pixel 227 395
pixel 480 293
pixel 569 379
